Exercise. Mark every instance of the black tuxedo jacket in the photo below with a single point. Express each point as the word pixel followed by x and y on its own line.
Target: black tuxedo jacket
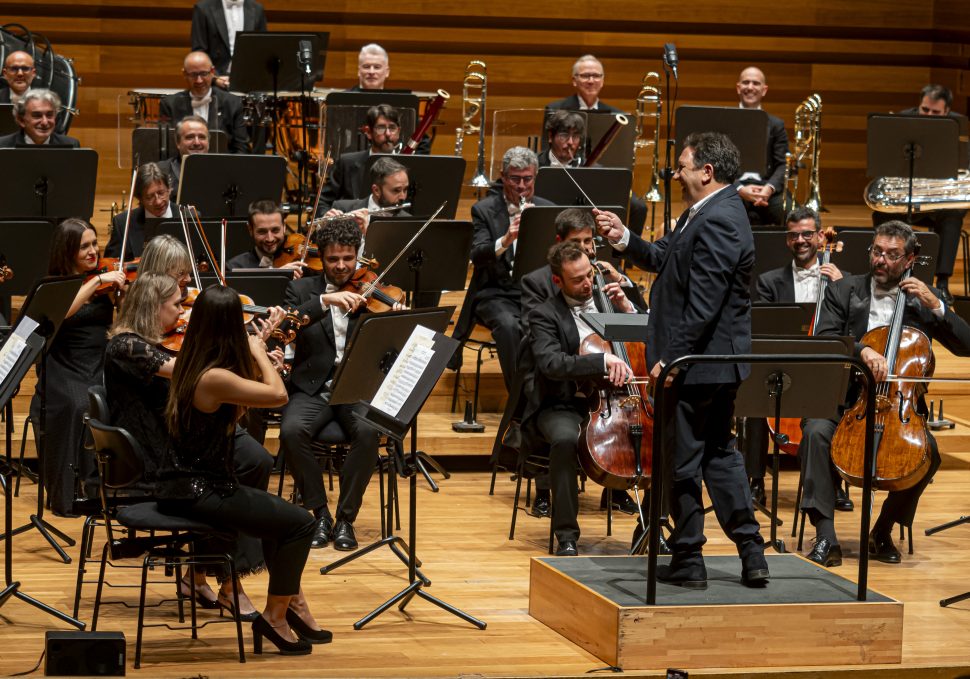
pixel 571 103
pixel 173 168
pixel 777 150
pixel 347 181
pixel 136 233
pixel 5 95
pixel 313 363
pixel 700 302
pixel 210 34
pixel 244 260
pixel 777 285
pixel 10 141
pixel 225 114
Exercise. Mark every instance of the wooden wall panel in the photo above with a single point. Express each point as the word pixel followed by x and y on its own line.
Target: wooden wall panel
pixel 861 56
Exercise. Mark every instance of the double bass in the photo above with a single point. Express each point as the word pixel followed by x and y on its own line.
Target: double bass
pixel 620 426
pixel 902 441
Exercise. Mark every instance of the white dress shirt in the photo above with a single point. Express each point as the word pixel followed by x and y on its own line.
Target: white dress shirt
pixel 340 322
pixel 806 282
pixel 200 105
pixel 235 20
pixel 881 306
pixel 576 308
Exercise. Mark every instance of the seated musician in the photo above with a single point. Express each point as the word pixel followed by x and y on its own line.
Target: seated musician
pixel 565 132
pixel 575 225
pixel 214 27
pixel 348 179
pixel 154 197
pixel 555 407
pixel 191 137
pixel 18 73
pixel 947 224
pixel 797 282
pixel 388 187
pixel 493 298
pixel 221 110
pixel 763 196
pixel 266 228
pixel 852 307
pixel 319 349
pixel 36 113
pixel 588 80
pixel 373 67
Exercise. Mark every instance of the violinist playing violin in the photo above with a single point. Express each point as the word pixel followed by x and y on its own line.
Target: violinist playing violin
pixel 852 307
pixel 320 347
pixel 555 407
pixel 265 226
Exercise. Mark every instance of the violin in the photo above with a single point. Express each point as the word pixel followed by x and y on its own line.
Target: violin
pixel 380 297
pixel 620 426
pixel 901 441
pixel 6 273
pixel 107 264
pixel 294 249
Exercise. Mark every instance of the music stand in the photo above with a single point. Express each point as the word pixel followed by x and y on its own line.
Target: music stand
pixel 855 253
pixel 784 318
pixel 18 353
pixel 8 124
pixel 746 127
pixel 237 236
pixel 927 147
pixel 264 286
pixel 432 180
pixel 796 390
pixel 42 182
pixel 47 304
pixel 377 342
pixel 268 61
pixel 603 185
pixel 152 144
pixel 347 114
pixel 26 249
pixel 224 184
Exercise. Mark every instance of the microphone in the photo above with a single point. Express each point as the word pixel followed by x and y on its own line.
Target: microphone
pixel 305 55
pixel 670 57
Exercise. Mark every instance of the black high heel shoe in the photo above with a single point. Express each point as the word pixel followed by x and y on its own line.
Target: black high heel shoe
pixel 226 605
pixel 305 632
pixel 193 593
pixel 262 628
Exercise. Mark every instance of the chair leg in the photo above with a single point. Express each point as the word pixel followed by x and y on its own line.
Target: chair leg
pixel 798 502
pixel 552 509
pixel 609 512
pixel 97 596
pixel 515 503
pixel 491 485
pixel 235 607
pixel 909 531
pixel 383 506
pixel 87 536
pixel 141 610
pixel 454 389
pixel 279 490
pixel 20 460
pixel 801 530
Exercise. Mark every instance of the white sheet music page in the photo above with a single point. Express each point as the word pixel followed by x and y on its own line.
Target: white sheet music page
pixel 14 346
pixel 408 368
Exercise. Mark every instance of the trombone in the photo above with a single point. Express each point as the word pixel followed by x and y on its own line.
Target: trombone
pixel 474 90
pixel 649 105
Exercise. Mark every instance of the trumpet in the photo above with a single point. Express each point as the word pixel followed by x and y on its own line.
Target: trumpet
pixel 474 89
pixel 650 105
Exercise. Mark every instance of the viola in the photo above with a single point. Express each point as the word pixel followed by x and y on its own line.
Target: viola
pixel 295 249
pixel 380 297
pixel 106 264
pixel 283 334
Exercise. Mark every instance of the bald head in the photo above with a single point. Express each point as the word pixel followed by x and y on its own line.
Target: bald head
pixel 752 87
pixel 18 71
pixel 198 71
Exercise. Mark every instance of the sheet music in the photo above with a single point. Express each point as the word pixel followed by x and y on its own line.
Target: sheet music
pixel 12 349
pixel 407 370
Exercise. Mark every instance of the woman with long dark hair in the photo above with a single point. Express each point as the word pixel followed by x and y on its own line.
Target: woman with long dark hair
pixel 219 373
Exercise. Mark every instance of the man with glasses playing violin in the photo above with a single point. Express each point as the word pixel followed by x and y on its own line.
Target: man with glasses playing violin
pixel 18 74
pixel 852 307
pixel 265 227
pixel 320 347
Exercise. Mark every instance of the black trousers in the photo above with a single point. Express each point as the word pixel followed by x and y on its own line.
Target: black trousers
pixel 560 426
pixel 253 467
pixel 947 224
pixel 820 480
pixel 304 417
pixel 501 316
pixel 285 529
pixel 699 445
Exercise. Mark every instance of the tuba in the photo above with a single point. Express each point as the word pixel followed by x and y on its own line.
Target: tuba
pixel 650 105
pixel 474 90
pixel 891 194
pixel 808 127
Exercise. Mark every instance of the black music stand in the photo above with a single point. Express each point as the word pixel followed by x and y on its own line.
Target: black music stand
pixel 784 318
pixel 797 390
pixel 855 253
pixel 152 144
pixel 603 185
pixel 432 180
pixel 265 286
pixel 746 127
pixel 22 358
pixel 347 114
pixel 47 304
pixel 237 235
pixel 42 182
pixel 223 185
pixel 26 249
pixel 8 124
pixel 376 343
pixel 927 147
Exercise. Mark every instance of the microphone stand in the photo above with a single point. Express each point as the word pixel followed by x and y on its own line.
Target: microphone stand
pixel 667 174
pixel 303 157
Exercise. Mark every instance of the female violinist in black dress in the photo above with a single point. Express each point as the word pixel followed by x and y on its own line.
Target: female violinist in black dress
pixel 74 363
pixel 220 372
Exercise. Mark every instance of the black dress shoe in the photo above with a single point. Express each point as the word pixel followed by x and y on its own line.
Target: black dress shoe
pixel 621 502
pixel 541 507
pixel 638 531
pixel 689 575
pixel 946 294
pixel 344 539
pixel 881 548
pixel 842 501
pixel 825 553
pixel 322 535
pixel 758 495
pixel 567 548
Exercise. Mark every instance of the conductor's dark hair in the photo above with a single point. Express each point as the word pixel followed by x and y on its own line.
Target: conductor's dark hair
pixel 936 93
pixel 574 219
pixel 560 253
pixel 382 110
pixel 719 151
pixel 340 232
pixel 65 246
pixel 897 229
pixel 802 213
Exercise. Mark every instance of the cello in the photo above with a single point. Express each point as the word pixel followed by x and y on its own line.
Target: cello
pixel 620 427
pixel 901 438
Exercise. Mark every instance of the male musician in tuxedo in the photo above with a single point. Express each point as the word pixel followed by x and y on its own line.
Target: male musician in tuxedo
pixel 320 348
pixel 348 180
pixel 36 113
pixel 555 405
pixel 852 307
pixel 796 282
pixel 588 80
pixel 493 298
pixel 936 100
pixel 700 304
pixel 191 137
pixel 388 187
pixel 266 228
pixel 221 110
pixel 18 73
pixel 214 27
pixel 764 197
pixel 373 67
pixel 565 133
pixel 154 191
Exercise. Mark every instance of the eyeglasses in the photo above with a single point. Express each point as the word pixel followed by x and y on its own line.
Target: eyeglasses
pixel 876 253
pixel 158 195
pixel 525 179
pixel 804 235
pixel 566 136
pixel 589 76
pixel 196 75
pixel 381 129
pixel 18 69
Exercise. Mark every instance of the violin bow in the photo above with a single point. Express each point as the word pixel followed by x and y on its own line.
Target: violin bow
pixel 131 206
pixel 312 224
pixel 197 222
pixel 188 246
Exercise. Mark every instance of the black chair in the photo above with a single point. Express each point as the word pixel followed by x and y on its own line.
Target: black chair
pixel 482 338
pixel 168 541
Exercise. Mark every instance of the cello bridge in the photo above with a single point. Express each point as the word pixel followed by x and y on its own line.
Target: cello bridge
pixel 883 403
pixel 630 402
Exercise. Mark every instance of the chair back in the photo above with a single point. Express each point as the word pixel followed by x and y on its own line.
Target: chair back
pixel 120 457
pixel 98 403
